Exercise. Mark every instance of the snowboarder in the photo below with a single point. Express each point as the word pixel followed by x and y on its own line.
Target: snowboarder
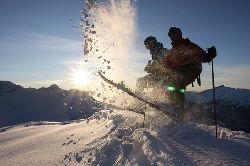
pixel 175 68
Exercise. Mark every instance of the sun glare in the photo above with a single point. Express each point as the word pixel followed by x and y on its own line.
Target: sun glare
pixel 81 78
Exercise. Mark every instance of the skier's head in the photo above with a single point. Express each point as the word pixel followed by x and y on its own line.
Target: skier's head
pixel 150 41
pixel 174 33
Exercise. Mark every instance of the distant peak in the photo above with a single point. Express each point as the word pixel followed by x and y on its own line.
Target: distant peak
pixel 221 86
pixel 7 83
pixel 54 86
pixel 8 86
pixel 51 87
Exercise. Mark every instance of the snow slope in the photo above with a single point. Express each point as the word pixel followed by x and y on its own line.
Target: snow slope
pixel 115 137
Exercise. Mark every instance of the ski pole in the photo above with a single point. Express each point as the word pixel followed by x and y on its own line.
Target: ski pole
pixel 214 102
pixel 144 115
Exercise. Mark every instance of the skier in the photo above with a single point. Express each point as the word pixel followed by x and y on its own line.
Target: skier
pixel 177 67
pixel 158 53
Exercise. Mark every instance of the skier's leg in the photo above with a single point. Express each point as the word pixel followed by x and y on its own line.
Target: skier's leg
pixel 141 83
pixel 177 99
pixel 148 81
pixel 180 107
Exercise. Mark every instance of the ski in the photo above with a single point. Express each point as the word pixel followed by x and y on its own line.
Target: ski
pixel 122 87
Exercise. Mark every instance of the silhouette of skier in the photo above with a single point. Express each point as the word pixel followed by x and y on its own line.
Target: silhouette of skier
pixel 173 70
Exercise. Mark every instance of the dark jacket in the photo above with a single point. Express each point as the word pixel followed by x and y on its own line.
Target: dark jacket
pixel 184 52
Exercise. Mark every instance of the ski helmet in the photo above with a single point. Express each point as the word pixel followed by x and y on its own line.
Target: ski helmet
pixel 149 40
pixel 174 30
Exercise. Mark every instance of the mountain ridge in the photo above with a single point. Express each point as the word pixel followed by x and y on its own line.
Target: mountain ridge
pixel 20 105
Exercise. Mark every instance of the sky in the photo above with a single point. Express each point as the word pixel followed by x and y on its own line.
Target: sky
pixel 39 44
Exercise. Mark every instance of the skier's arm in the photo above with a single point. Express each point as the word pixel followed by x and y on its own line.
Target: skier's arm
pixel 148 67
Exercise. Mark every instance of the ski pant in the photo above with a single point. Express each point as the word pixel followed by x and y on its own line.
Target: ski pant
pixel 179 78
pixel 148 81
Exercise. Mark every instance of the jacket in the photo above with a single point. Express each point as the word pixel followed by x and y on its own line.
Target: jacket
pixel 184 52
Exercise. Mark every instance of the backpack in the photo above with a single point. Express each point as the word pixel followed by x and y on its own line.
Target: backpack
pixel 211 53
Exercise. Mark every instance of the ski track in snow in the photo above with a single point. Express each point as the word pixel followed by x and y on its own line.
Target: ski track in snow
pixel 115 137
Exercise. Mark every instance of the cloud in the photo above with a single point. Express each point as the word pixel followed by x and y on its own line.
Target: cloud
pixel 33 56
pixel 234 76
pixel 45 83
pixel 231 76
pixel 34 74
pixel 35 44
pixel 54 44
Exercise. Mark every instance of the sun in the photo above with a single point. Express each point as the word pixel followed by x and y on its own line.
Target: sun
pixel 81 78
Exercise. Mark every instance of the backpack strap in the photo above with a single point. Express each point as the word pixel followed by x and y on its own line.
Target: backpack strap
pixel 199 79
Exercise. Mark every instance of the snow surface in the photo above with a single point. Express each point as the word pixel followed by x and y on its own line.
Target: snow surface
pixel 115 137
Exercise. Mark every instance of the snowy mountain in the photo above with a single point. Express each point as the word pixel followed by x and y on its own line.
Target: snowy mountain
pixel 233 96
pixel 19 105
pixel 115 137
pixel 7 87
pixel 232 105
pixel 110 136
